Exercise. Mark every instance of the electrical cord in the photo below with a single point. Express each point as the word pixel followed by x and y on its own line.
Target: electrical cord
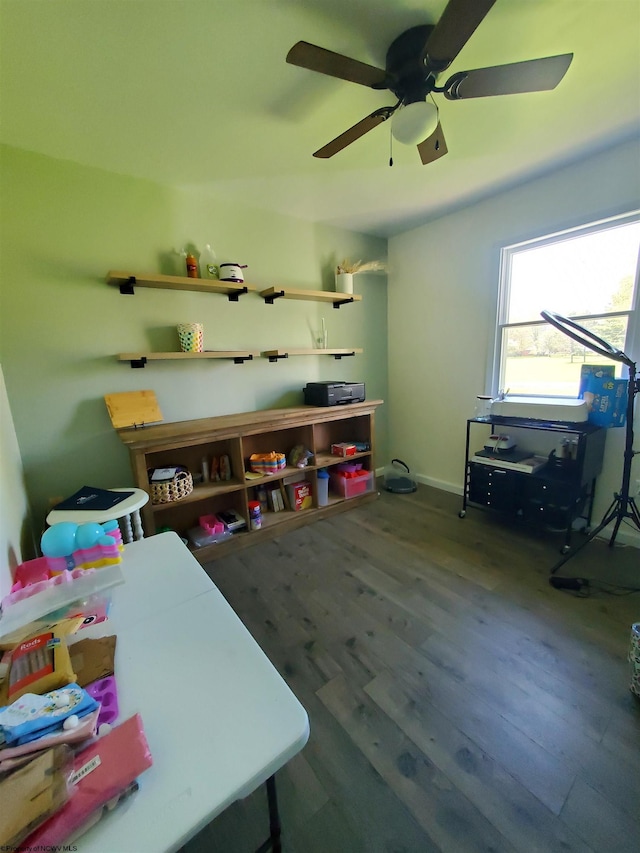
pixel 583 587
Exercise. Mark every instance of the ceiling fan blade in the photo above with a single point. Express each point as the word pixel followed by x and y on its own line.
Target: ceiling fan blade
pixel 316 58
pixel 433 147
pixel 354 133
pixel 533 75
pixel 457 24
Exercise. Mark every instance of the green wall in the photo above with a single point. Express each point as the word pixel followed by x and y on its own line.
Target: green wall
pixel 63 226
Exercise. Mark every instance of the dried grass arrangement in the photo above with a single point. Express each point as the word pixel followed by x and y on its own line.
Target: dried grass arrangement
pixel 355 267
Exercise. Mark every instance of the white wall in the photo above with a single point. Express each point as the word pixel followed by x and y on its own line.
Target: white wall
pixel 14 510
pixel 443 280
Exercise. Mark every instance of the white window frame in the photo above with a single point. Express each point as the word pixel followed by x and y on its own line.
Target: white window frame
pixel 507 252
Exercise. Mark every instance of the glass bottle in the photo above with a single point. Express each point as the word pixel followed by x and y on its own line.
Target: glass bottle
pixel 192 265
pixel 208 263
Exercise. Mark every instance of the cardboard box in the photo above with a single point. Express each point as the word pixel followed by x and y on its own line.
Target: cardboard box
pixel 608 405
pixel 606 396
pixel 300 496
pixel 33 793
pixel 93 659
pixel 594 373
pixel 343 448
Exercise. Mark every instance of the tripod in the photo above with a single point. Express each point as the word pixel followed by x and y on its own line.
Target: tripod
pixel 624 505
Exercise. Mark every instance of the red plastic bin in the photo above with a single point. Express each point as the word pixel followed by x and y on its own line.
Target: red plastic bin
pixel 351 484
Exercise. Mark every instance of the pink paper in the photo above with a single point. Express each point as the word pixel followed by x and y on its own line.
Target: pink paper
pixel 101 771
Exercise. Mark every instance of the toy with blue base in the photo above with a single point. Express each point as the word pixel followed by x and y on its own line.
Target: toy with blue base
pixel 67 546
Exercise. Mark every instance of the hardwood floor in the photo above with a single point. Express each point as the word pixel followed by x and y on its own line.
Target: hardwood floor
pixel 457 702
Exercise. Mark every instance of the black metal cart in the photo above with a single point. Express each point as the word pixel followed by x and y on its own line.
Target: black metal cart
pixel 554 495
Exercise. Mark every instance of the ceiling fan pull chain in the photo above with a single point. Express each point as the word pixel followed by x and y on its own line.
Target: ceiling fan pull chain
pixel 390 147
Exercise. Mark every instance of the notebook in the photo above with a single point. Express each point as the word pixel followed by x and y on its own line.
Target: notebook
pixel 91 498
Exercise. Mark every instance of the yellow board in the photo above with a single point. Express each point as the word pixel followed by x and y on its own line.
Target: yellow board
pixel 133 408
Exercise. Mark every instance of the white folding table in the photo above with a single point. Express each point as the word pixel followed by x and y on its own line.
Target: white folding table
pixel 219 719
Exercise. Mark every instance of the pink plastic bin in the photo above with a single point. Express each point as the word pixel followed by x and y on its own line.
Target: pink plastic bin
pixel 357 483
pixel 211 523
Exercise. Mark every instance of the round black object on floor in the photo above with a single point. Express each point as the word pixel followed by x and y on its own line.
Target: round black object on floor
pixel 398 479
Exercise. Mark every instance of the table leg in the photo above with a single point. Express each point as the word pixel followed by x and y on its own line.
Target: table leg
pixel 137 525
pixel 274 817
pixel 273 842
pixel 128 532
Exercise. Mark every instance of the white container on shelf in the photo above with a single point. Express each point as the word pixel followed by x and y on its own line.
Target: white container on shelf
pixel 344 282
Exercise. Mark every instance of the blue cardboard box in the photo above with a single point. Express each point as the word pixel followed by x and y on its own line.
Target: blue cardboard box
pixel 607 399
pixel 595 372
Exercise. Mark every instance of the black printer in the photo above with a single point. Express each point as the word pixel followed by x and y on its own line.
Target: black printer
pixel 333 393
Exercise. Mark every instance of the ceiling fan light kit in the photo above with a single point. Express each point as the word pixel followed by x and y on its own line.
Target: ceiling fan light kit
pixel 414 61
pixel 414 122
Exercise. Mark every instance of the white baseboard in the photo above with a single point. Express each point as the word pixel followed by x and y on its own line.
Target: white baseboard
pixel 454 488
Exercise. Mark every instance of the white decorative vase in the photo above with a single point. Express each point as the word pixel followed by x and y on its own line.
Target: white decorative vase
pixel 344 282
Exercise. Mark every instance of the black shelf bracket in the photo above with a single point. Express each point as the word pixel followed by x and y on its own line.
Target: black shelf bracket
pixel 126 288
pixel 270 299
pixel 274 358
pixel 139 362
pixel 340 355
pixel 342 302
pixel 240 359
pixel 233 297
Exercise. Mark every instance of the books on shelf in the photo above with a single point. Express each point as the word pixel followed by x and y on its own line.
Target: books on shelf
pixel 276 502
pixel 516 460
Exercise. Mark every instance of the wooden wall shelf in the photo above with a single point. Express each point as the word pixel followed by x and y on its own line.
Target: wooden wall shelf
pixel 128 281
pixel 139 359
pixel 277 354
pixel 337 299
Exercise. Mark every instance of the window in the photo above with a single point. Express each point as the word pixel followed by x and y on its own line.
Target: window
pixel 589 274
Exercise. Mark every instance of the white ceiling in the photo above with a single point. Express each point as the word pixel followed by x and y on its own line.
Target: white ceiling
pixel 196 93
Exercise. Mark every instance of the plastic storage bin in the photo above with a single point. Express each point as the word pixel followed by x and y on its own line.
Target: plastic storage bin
pixel 398 479
pixel 349 485
pixel 78 591
pixel 199 537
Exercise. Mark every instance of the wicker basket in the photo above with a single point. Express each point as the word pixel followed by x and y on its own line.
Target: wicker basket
pixel 171 490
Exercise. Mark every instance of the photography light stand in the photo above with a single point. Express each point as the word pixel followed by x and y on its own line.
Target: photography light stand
pixel 623 505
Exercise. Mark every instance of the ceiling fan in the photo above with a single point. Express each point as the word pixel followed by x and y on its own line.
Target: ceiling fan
pixel 414 62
